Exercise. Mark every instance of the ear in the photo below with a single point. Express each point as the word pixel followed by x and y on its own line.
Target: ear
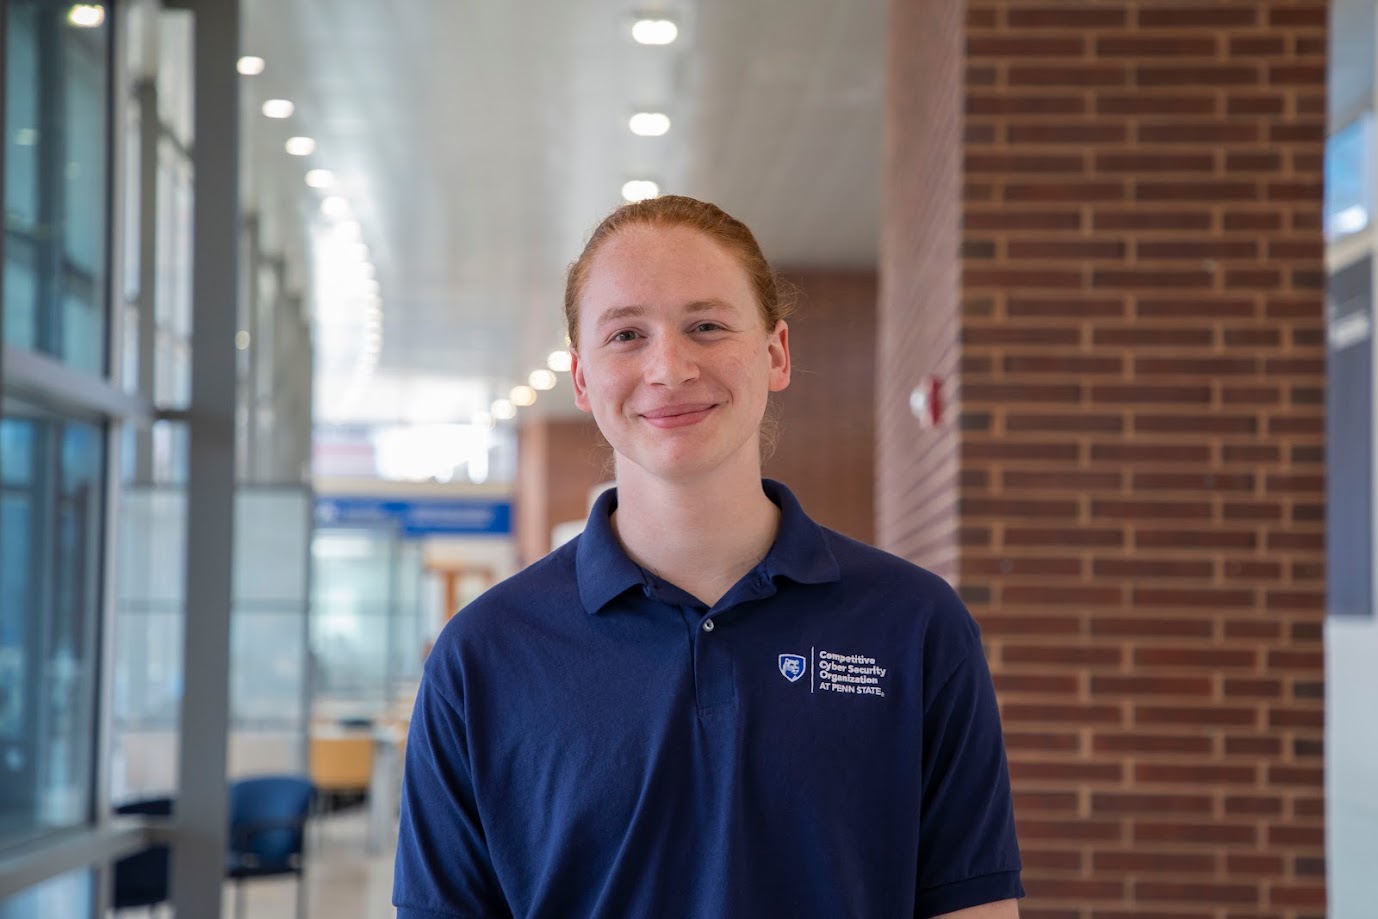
pixel 778 346
pixel 576 370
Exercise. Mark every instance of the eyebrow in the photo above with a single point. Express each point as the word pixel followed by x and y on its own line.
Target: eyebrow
pixel 623 312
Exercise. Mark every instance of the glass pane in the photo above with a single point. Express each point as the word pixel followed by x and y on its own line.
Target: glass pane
pixel 68 895
pixel 150 605
pixel 50 540
pixel 56 144
pixel 1349 179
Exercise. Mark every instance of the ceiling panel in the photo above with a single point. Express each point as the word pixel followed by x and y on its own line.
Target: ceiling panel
pixel 479 142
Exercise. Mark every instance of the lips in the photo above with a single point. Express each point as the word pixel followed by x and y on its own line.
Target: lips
pixel 678 416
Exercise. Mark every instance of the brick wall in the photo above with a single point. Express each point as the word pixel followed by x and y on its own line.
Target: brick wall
pixel 825 449
pixel 917 321
pixel 1141 433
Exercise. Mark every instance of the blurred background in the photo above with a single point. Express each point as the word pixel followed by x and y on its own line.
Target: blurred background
pixel 1085 325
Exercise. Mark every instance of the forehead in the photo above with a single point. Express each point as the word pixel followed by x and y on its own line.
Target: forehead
pixel 648 265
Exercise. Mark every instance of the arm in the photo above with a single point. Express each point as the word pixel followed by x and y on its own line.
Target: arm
pixel 443 866
pixel 1004 909
pixel 968 855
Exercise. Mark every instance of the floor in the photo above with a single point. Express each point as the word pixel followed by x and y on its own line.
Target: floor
pixel 343 880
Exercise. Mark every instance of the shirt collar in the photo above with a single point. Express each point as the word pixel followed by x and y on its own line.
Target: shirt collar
pixel 800 553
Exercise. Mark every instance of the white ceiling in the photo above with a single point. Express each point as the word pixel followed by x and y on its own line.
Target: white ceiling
pixel 479 141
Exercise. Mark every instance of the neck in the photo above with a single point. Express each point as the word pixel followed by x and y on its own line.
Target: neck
pixel 700 535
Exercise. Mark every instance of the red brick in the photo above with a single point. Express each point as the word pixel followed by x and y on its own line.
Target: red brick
pixel 1144 743
pixel 1195 834
pixel 1198 893
pixel 1065 16
pixel 1196 16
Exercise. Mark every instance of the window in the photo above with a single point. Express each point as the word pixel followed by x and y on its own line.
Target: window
pixel 51 498
pixel 55 134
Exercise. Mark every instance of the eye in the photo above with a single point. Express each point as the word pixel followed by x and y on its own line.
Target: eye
pixel 624 335
pixel 707 327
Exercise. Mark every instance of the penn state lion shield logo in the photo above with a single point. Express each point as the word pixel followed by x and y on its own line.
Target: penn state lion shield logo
pixel 792 666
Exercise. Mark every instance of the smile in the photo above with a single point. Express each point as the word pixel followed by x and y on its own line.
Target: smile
pixel 678 416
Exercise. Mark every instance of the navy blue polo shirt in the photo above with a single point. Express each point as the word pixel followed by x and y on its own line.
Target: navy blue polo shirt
pixel 824 741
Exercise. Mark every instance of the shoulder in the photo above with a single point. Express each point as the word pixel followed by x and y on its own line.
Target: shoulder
pixel 883 584
pixel 537 597
pixel 862 565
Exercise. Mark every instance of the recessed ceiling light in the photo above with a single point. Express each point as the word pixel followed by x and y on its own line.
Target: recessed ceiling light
pixel 279 108
pixel 649 124
pixel 335 206
pixel 86 15
pixel 541 380
pixel 241 340
pixel 654 31
pixel 503 410
pixel 320 178
pixel 559 361
pixel 522 396
pixel 301 146
pixel 483 420
pixel 250 66
pixel 640 190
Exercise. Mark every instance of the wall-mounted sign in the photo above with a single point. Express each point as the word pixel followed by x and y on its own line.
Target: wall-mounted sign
pixel 417 517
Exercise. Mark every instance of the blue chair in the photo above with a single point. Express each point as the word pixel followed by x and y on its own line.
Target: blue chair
pixel 268 818
pixel 141 879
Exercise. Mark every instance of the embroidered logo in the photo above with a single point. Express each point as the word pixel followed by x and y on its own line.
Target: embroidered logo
pixel 792 666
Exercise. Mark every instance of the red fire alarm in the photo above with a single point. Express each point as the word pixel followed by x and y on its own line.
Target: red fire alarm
pixel 926 402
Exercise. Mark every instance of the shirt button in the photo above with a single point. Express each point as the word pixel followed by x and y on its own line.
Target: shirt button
pixel 708 625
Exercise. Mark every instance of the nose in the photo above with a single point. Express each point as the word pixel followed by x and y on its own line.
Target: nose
pixel 670 361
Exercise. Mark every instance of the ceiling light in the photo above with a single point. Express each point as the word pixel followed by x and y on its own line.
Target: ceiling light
pixel 241 340
pixel 523 396
pixel 1350 220
pixel 639 190
pixel 504 410
pixel 654 31
pixel 483 420
pixel 279 108
pixel 335 206
pixel 319 178
pixel 301 146
pixel 86 15
pixel 349 230
pixel 559 361
pixel 649 124
pixel 541 380
pixel 250 66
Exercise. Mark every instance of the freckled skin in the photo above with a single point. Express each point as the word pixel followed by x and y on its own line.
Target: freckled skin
pixel 674 360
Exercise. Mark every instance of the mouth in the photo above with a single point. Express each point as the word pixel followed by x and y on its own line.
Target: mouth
pixel 678 416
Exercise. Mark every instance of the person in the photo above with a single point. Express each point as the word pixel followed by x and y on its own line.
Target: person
pixel 706 704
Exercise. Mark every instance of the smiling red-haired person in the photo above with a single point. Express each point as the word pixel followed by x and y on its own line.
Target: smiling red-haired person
pixel 707 704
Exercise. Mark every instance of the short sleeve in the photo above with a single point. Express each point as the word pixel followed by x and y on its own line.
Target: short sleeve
pixel 968 853
pixel 443 869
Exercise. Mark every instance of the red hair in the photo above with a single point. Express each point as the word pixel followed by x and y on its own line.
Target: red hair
pixel 680 211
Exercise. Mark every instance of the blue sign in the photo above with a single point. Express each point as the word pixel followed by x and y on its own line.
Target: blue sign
pixel 419 516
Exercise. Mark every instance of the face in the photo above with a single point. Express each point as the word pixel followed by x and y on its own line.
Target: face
pixel 674 360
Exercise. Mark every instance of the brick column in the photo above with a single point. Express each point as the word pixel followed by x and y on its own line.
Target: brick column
pixel 1131 492
pixel 826 442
